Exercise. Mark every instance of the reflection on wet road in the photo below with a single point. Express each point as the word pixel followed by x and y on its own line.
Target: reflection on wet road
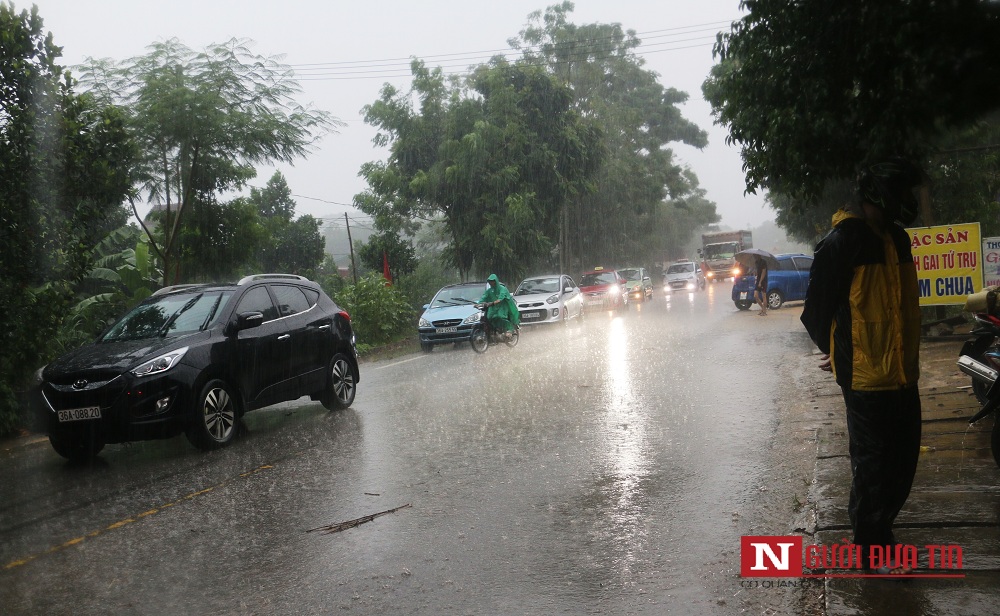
pixel 596 468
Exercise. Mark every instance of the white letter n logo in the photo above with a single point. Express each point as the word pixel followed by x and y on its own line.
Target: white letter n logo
pixel 762 549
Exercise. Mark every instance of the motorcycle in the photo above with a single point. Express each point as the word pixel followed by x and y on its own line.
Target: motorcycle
pixel 980 359
pixel 984 349
pixel 484 335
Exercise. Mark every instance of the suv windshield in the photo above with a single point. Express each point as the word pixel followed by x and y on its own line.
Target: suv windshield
pixel 458 296
pixel 681 268
pixel 170 316
pixel 594 279
pixel 538 285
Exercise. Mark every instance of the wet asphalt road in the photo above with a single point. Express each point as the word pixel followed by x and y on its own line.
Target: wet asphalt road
pixel 594 469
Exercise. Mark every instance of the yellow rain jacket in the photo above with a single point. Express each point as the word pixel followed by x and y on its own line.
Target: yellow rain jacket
pixel 862 305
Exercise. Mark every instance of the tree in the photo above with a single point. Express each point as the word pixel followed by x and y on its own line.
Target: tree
pixel 289 245
pixel 63 176
pixel 275 199
pixel 221 241
pixel 203 121
pixel 397 251
pixel 494 157
pixel 811 90
pixel 619 221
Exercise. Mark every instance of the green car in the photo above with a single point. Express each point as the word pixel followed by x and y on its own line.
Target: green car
pixel 638 283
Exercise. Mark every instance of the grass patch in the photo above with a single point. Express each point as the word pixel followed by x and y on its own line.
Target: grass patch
pixel 390 350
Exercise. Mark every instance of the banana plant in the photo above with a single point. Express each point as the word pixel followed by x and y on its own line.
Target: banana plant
pixel 123 274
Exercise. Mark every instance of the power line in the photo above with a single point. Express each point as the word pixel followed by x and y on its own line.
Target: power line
pixel 582 49
pixel 491 52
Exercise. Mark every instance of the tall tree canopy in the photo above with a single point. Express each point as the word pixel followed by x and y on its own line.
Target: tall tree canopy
pixel 203 121
pixel 496 156
pixel 64 173
pixel 559 159
pixel 812 89
pixel 290 245
pixel 623 219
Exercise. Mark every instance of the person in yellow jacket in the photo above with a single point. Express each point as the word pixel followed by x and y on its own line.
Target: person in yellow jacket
pixel 862 310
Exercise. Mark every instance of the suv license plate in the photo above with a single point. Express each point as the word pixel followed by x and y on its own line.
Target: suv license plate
pixel 90 412
pixel 446 330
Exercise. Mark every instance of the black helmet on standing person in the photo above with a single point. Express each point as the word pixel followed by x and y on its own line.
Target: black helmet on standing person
pixel 890 185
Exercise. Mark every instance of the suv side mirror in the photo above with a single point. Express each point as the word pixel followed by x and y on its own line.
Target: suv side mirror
pixel 245 320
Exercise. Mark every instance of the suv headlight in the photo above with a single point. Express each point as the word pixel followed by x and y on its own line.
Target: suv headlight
pixel 160 364
pixel 423 322
pixel 552 299
pixel 472 318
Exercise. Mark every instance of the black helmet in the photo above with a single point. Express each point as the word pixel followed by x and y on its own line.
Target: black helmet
pixel 890 185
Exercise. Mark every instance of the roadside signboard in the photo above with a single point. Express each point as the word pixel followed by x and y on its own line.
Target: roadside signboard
pixel 991 261
pixel 949 262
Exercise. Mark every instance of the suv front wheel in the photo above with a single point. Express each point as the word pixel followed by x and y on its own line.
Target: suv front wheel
pixel 214 425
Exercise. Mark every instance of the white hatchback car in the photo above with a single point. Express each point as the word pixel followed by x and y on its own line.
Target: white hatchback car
pixel 548 299
pixel 683 276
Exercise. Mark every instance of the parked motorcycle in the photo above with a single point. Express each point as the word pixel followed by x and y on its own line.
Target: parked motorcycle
pixel 980 359
pixel 987 338
pixel 484 335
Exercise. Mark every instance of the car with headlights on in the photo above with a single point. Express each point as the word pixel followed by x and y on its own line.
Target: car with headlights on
pixel 787 281
pixel 683 276
pixel 193 359
pixel 603 289
pixel 450 316
pixel 553 298
pixel 638 283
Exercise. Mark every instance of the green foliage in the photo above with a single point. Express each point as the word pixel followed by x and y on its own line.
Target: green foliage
pixel 399 253
pixel 494 157
pixel 220 241
pixel 420 286
pixel 275 199
pixel 628 217
pixel 379 312
pixel 204 121
pixel 811 90
pixel 63 175
pixel 122 275
pixel 288 245
pixel 291 246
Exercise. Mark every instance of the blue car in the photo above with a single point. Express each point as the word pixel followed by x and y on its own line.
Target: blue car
pixel 785 283
pixel 451 315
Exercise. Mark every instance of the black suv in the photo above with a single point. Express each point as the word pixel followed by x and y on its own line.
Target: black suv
pixel 193 359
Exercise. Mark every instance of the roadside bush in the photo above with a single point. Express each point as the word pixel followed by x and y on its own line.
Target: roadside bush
pixel 420 286
pixel 379 313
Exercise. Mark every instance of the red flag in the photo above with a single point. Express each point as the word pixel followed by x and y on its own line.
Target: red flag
pixel 385 268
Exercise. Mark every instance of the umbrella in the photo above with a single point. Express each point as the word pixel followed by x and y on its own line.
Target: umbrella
pixel 748 258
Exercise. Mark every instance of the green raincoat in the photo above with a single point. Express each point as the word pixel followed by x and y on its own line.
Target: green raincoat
pixel 502 316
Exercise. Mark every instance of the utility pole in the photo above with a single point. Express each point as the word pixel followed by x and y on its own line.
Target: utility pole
pixel 350 242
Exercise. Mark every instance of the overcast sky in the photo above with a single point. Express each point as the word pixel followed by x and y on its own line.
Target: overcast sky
pixel 369 42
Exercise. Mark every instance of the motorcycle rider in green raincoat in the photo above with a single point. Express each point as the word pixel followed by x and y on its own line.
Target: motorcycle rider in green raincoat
pixel 501 310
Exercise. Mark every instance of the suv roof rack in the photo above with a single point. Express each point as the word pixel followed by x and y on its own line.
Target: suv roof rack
pixel 175 287
pixel 254 277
